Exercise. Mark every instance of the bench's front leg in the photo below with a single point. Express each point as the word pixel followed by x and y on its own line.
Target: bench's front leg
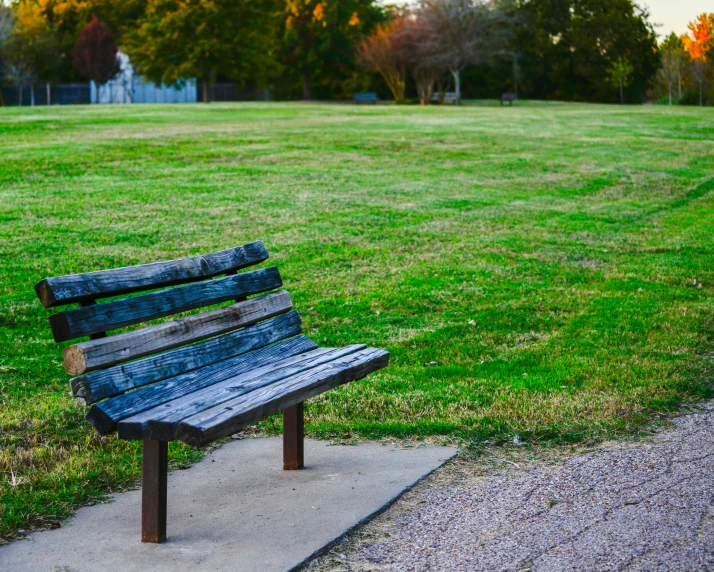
pixel 293 433
pixel 153 491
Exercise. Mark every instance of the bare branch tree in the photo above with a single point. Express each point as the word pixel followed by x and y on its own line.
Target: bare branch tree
pixel 425 76
pixel 674 58
pixel 18 71
pixel 413 40
pixel 699 70
pixel 461 33
pixel 671 69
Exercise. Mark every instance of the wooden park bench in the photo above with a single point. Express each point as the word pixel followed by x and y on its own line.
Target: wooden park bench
pixel 202 376
pixel 368 97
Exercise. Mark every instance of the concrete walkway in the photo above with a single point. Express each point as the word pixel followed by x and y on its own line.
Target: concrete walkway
pixel 641 506
pixel 236 510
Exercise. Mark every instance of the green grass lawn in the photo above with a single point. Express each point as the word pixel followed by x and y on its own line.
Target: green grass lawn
pixel 555 262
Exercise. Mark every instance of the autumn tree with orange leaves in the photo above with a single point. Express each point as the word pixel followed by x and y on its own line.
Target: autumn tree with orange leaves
pixel 383 52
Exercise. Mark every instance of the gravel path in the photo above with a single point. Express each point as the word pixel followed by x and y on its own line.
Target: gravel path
pixel 643 506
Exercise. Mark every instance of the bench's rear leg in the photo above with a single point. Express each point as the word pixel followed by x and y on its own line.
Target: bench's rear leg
pixel 153 491
pixel 293 434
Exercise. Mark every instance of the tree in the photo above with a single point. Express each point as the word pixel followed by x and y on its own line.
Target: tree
pixel 461 33
pixel 673 58
pixel 566 47
pixel 68 18
pixel 601 32
pixel 424 65
pixel 33 47
pixel 516 72
pixel 700 39
pixel 29 48
pixel 95 55
pixel 318 37
pixel 620 74
pixel 176 40
pixel 18 71
pixel 381 52
pixel 700 69
pixel 699 44
pixel 6 24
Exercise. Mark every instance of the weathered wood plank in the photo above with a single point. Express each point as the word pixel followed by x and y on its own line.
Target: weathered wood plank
pixel 233 415
pixel 115 380
pixel 104 416
pixel 162 419
pixel 95 354
pixel 76 287
pixel 96 335
pixel 127 311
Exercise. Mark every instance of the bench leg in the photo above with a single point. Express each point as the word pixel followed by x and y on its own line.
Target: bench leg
pixel 153 491
pixel 293 433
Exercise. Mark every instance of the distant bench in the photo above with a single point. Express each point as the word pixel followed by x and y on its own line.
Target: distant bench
pixel 367 97
pixel 510 97
pixel 198 378
pixel 449 97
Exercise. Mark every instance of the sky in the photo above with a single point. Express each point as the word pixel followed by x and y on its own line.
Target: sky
pixel 675 14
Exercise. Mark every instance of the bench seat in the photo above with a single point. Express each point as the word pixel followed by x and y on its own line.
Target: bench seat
pixel 202 376
pixel 220 409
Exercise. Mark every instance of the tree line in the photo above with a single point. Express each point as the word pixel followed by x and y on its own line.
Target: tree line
pixel 580 50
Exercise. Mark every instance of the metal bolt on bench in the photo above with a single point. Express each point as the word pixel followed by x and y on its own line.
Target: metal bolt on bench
pixel 198 378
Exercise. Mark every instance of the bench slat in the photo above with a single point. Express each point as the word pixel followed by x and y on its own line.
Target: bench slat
pixel 160 422
pixel 115 380
pixel 127 311
pixel 104 416
pixel 240 412
pixel 75 287
pixel 95 354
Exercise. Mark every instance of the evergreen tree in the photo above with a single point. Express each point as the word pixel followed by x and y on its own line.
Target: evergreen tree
pixel 176 40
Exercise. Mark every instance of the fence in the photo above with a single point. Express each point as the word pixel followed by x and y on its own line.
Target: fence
pixel 135 92
pixel 60 94
pixel 147 92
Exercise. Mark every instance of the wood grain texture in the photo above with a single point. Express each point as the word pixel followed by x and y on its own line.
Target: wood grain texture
pixel 104 416
pixel 95 354
pixel 62 290
pixel 96 318
pixel 233 415
pixel 163 419
pixel 115 380
pixel 96 335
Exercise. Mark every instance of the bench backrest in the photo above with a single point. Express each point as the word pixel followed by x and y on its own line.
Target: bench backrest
pixel 368 96
pixel 449 96
pixel 508 97
pixel 110 365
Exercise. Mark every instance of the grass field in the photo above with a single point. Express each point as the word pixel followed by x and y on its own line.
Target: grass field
pixel 555 261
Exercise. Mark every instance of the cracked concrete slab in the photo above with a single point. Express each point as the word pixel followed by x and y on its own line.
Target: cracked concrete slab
pixel 236 510
pixel 644 506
